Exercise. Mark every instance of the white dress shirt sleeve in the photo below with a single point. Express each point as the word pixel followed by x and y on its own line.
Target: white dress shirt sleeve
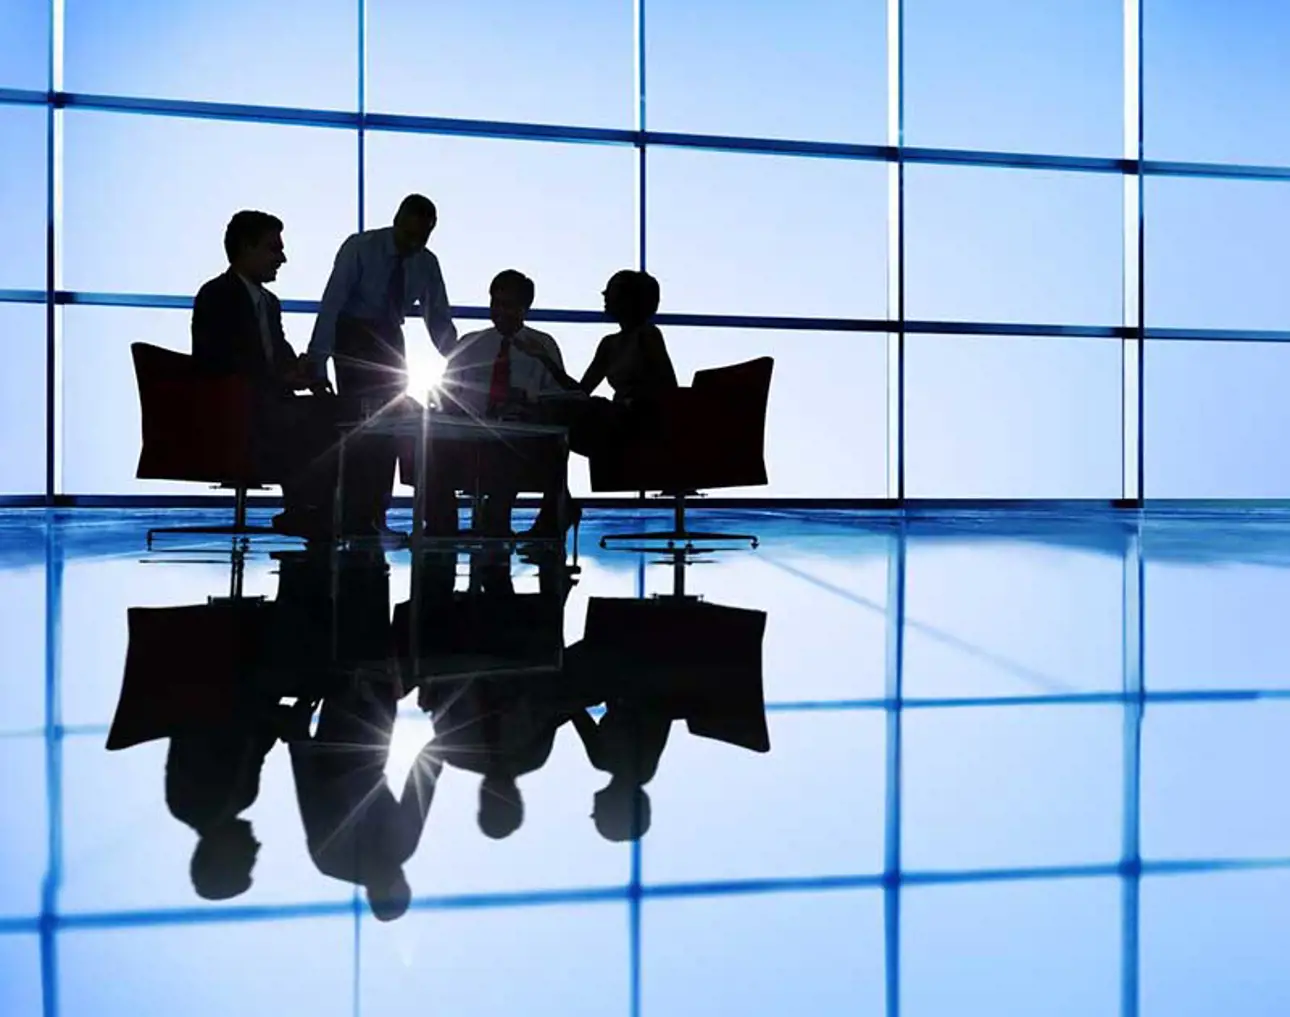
pixel 344 277
pixel 549 384
pixel 436 310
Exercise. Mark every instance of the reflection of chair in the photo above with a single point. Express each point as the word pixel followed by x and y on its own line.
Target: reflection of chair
pixel 186 667
pixel 195 428
pixel 712 436
pixel 695 661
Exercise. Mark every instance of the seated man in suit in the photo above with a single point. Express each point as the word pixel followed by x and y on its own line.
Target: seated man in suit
pixel 502 373
pixel 237 329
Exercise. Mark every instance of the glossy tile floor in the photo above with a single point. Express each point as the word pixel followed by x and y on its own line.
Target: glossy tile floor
pixel 1018 764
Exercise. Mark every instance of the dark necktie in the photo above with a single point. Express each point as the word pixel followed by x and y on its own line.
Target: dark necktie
pixel 396 292
pixel 500 385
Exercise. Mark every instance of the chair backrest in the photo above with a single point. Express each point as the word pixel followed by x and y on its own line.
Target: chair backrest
pixel 690 659
pixel 733 402
pixel 712 435
pixel 195 427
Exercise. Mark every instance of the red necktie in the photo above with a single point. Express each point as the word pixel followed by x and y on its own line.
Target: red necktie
pixel 500 385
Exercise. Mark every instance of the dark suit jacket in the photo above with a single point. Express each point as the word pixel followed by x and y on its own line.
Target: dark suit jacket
pixel 226 334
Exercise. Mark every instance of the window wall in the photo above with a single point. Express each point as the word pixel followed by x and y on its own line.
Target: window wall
pixel 997 250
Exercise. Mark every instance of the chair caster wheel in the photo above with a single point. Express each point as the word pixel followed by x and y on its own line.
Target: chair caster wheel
pixel 756 543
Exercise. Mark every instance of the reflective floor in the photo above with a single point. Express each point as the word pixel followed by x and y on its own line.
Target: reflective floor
pixel 958 764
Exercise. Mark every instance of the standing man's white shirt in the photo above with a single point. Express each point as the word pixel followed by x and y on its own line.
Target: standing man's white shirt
pixel 359 288
pixel 469 372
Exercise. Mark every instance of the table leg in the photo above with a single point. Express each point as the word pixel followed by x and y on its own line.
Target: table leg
pixel 563 517
pixel 419 453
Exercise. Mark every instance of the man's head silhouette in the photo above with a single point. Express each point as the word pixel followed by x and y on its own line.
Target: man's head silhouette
pixel 223 860
pixel 622 811
pixel 389 895
pixel 501 809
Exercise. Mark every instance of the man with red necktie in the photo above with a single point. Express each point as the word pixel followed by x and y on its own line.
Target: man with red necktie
pixel 503 373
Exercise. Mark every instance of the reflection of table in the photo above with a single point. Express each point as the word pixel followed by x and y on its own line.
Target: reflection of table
pixel 426 426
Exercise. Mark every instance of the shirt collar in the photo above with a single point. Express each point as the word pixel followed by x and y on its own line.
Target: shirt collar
pixel 255 289
pixel 390 249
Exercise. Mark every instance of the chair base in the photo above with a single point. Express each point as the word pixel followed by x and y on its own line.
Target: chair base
pixel 238 528
pixel 232 530
pixel 685 538
pixel 680 534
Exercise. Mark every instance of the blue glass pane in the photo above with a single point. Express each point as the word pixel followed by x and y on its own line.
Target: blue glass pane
pixel 1013 245
pixel 768 235
pixel 24 44
pixel 1213 253
pixel 1215 944
pixel 818 72
pixel 101 427
pixel 23 200
pixel 290 53
pixel 20 974
pixel 998 617
pixel 826 611
pixel 1215 88
pixel 24 831
pixel 22 398
pixel 561 61
pixel 1050 947
pixel 721 812
pixel 1211 781
pixel 556 847
pixel 1044 786
pixel 22 634
pixel 763 955
pixel 204 970
pixel 826 421
pixel 490 962
pixel 1013 417
pixel 1215 416
pixel 174 185
pixel 996 74
pixel 1213 609
pixel 565 215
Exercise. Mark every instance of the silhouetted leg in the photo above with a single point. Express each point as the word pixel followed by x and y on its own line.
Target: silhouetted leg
pixel 371 369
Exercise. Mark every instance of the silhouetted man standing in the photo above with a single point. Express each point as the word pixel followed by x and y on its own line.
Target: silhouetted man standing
pixel 379 276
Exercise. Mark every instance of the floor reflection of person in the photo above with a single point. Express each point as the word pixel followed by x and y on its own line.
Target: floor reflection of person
pixel 501 728
pixel 492 728
pixel 212 777
pixel 355 828
pixel 652 662
pixel 627 743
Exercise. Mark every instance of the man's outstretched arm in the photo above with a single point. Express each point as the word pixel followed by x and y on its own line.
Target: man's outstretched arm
pixel 438 312
pixel 343 279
